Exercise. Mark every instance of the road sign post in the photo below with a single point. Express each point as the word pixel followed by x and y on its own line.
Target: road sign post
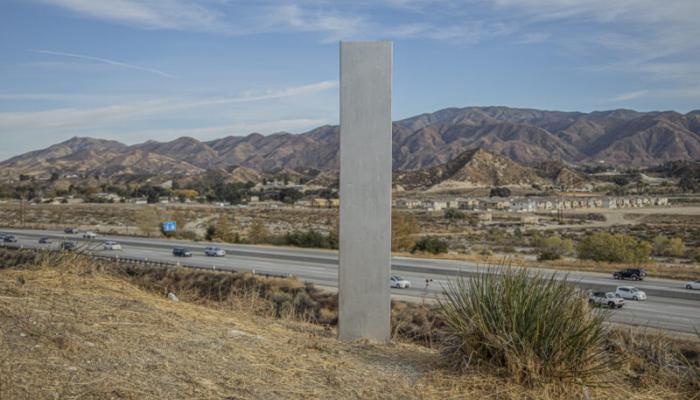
pixel 365 191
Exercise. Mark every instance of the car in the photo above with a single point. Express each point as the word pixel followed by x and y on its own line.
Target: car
pixel 9 239
pixel 68 246
pixel 214 252
pixel 630 293
pixel 45 240
pixel 693 285
pixel 399 282
pixel 605 299
pixel 70 231
pixel 637 274
pixel 112 245
pixel 181 252
pixel 89 235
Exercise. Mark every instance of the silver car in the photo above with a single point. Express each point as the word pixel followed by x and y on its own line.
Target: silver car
pixel 214 252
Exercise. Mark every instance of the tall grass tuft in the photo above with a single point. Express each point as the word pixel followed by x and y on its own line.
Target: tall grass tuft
pixel 534 328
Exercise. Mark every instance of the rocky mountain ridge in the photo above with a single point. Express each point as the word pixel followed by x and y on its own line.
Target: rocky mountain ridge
pixel 527 136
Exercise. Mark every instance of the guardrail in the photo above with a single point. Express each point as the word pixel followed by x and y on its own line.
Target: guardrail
pixel 146 261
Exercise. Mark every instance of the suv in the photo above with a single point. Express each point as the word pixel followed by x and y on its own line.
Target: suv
pixel 605 299
pixel 214 252
pixel 68 246
pixel 399 283
pixel 630 293
pixel 10 239
pixel 70 231
pixel 111 245
pixel 181 252
pixel 637 274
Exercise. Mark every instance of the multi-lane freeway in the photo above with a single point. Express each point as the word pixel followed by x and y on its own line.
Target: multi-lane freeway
pixel 669 306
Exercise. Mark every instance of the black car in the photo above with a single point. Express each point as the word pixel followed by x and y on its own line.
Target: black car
pixel 70 231
pixel 637 274
pixel 10 239
pixel 44 240
pixel 181 252
pixel 68 246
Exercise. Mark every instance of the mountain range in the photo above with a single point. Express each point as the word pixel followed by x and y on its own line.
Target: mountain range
pixel 526 136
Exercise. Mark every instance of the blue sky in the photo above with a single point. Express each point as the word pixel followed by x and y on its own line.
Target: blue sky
pixel 134 70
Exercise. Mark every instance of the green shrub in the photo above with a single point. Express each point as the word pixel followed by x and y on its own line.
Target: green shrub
pixel 554 248
pixel 532 328
pixel 500 192
pixel 311 238
pixel 430 244
pixel 603 246
pixel 453 214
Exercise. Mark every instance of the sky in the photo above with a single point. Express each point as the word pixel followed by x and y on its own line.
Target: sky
pixel 133 70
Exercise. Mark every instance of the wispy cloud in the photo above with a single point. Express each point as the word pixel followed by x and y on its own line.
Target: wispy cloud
pixel 104 61
pixel 161 14
pixel 630 95
pixel 691 92
pixel 97 117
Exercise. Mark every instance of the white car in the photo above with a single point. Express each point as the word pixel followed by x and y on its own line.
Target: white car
pixel 214 252
pixel 605 299
pixel 399 283
pixel 630 293
pixel 112 245
pixel 89 235
pixel 693 285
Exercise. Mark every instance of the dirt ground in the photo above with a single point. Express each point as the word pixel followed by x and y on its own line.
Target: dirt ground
pixel 70 331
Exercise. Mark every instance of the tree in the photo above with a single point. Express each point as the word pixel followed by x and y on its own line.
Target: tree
pixel 258 232
pixel 554 248
pixel 403 227
pixel 603 246
pixel 290 195
pixel 500 192
pixel 148 220
pixel 222 230
pixel 660 245
pixel 676 247
pixel 663 246
pixel 430 244
pixel 453 214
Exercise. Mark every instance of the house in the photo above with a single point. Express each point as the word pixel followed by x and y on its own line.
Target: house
pixel 485 216
pixel 407 203
pixel 468 204
pixel 529 219
pixel 523 205
pixel 434 205
pixel 303 203
pixel 319 202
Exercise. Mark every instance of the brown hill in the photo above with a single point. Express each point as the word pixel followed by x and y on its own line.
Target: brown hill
pixel 472 168
pixel 528 136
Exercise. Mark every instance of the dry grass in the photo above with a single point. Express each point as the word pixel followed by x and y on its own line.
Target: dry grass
pixel 71 328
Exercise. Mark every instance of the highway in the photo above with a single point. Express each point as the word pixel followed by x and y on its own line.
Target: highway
pixel 669 307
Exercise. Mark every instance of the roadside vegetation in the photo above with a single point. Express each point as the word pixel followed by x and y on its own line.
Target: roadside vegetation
pixel 535 329
pixel 501 336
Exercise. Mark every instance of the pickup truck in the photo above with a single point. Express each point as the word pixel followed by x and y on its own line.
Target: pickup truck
pixel 605 299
